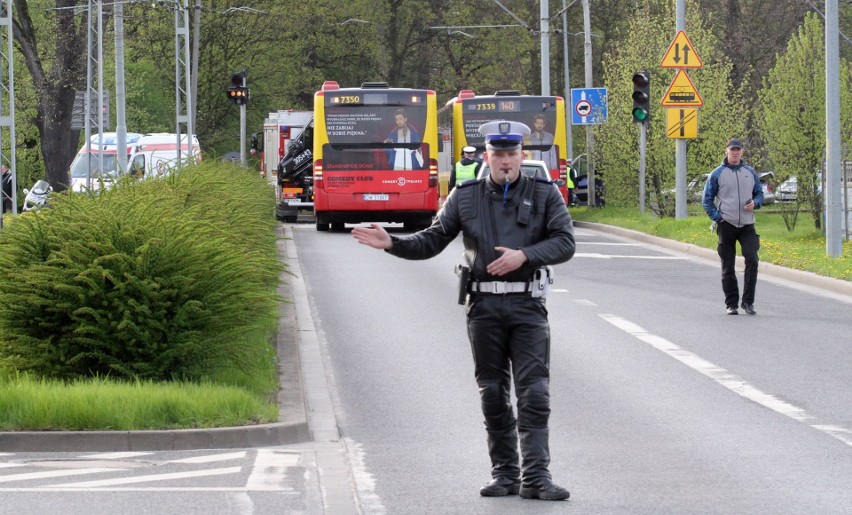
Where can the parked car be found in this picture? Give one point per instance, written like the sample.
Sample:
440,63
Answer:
787,191
530,168
766,182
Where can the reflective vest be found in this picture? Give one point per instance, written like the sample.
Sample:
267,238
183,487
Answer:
465,172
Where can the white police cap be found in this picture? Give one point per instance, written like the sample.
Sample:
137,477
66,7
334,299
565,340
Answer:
469,150
504,135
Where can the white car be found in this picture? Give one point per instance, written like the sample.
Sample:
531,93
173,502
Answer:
530,168
787,191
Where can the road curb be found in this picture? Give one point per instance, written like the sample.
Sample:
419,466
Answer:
798,276
292,426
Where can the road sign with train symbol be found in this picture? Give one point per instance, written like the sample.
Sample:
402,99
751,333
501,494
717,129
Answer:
682,93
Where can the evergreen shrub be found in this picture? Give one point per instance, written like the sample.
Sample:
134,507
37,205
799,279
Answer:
154,279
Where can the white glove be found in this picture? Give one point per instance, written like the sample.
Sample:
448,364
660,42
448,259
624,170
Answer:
714,227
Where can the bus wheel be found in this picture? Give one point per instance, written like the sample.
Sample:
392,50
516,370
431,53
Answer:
322,227
338,226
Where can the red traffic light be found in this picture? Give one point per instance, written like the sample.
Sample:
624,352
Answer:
238,80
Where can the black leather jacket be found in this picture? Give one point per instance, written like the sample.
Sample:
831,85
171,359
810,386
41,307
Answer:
476,209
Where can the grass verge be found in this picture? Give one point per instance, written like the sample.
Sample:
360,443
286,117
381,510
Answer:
28,403
802,249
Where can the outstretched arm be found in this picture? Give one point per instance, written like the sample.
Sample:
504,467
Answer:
373,235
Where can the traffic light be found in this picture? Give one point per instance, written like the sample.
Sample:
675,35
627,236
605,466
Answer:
238,91
641,97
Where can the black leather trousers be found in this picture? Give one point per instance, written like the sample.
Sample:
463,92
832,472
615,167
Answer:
510,339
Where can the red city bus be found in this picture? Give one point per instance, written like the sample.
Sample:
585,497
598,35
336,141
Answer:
375,155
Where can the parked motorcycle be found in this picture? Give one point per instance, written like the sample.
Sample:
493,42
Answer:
36,198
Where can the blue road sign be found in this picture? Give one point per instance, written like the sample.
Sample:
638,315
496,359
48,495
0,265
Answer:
588,106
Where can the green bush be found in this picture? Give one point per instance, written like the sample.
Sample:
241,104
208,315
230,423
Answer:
154,279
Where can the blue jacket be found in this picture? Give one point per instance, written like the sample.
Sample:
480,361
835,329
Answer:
728,189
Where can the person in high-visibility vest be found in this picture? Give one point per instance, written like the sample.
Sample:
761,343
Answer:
465,169
569,183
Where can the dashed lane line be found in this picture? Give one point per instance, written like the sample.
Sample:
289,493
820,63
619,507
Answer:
727,379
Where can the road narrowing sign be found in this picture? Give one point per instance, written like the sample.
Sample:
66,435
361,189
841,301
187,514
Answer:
682,93
681,53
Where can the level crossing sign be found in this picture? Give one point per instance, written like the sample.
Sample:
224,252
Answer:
589,106
682,122
682,93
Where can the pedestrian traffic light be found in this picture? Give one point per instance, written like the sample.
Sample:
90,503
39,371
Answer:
641,97
238,91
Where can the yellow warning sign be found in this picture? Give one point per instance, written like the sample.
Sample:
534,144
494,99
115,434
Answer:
681,53
682,122
682,93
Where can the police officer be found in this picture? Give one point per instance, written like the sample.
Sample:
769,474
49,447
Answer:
465,169
512,226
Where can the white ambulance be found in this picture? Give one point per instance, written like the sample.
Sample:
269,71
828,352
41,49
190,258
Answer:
156,154
83,177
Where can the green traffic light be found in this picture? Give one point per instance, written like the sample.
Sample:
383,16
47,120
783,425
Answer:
639,114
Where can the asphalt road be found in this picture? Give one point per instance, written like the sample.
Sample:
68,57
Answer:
661,402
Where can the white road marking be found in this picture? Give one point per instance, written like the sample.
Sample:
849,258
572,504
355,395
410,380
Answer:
114,455
141,489
611,243
584,302
151,477
11,465
727,379
54,473
212,458
559,290
270,469
596,255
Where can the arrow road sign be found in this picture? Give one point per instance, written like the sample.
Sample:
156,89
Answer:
681,53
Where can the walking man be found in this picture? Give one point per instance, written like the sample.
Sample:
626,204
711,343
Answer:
513,227
731,194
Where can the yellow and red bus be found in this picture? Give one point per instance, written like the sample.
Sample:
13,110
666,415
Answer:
375,155
460,118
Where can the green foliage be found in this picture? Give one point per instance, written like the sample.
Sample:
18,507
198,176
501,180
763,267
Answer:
154,279
793,114
30,403
800,249
617,141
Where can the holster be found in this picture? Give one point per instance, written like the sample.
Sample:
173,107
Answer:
543,281
463,271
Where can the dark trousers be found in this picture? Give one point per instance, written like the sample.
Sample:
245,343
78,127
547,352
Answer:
510,339
749,240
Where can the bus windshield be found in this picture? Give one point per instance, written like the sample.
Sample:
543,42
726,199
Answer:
538,113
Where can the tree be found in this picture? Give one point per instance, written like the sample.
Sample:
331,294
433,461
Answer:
53,45
617,151
793,112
